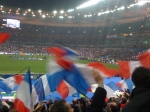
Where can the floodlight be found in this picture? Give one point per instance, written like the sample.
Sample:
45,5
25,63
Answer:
29,10
141,2
89,3
43,16
61,11
54,12
61,17
40,11
33,15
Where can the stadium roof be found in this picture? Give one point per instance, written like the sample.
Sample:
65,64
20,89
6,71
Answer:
103,13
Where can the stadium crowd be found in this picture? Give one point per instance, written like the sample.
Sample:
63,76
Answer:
91,46
127,102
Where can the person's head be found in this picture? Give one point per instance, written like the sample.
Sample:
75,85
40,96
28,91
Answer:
141,76
61,106
113,107
82,102
123,100
74,102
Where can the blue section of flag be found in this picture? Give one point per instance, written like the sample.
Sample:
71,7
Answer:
27,78
75,79
129,84
69,51
113,86
5,87
39,89
55,79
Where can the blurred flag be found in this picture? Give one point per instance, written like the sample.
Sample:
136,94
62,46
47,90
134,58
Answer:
126,84
4,37
10,83
23,101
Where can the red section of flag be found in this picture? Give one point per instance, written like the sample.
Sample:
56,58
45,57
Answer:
63,90
124,70
65,63
19,105
18,79
4,37
144,59
56,51
101,67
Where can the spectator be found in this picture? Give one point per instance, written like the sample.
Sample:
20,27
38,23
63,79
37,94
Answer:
61,106
140,96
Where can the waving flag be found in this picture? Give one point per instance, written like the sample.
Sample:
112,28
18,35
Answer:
10,83
65,89
144,59
111,88
126,84
40,89
23,101
4,37
127,67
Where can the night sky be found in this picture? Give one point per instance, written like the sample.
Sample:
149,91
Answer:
47,5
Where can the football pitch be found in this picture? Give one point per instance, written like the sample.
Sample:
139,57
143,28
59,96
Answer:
12,64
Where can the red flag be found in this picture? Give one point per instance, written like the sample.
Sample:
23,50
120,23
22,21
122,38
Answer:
144,58
4,37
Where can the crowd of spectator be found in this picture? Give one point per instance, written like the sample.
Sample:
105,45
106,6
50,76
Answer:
126,102
92,43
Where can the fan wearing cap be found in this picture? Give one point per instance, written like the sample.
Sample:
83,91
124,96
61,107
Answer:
140,96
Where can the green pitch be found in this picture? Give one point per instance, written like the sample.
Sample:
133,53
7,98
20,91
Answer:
14,66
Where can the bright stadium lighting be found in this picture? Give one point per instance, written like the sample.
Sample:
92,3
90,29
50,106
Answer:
106,12
43,16
122,7
29,10
69,16
54,12
33,15
70,10
131,5
24,14
87,4
3,11
142,2
61,17
61,11
1,6
39,11
85,15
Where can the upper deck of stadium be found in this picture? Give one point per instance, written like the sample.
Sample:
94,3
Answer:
98,15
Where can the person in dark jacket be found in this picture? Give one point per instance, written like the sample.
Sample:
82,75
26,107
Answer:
140,96
98,101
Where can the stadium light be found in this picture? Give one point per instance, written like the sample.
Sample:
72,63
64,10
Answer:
3,11
61,11
1,6
29,10
122,8
70,17
39,11
142,2
61,17
24,14
43,16
87,4
54,12
70,10
33,15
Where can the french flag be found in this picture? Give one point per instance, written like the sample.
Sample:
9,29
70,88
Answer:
61,52
10,83
111,88
65,89
23,101
127,67
40,89
4,37
125,84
